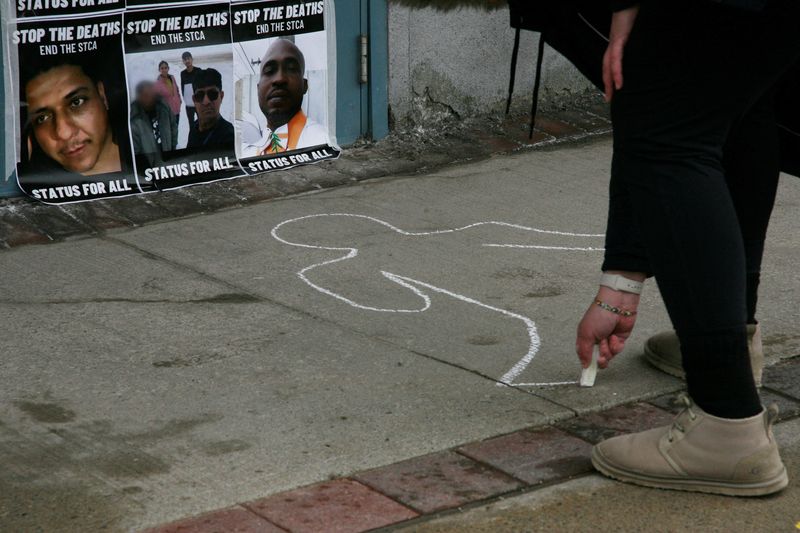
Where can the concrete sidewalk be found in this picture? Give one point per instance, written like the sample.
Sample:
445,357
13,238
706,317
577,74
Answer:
162,372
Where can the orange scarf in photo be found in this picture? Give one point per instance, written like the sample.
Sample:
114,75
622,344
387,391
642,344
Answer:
281,142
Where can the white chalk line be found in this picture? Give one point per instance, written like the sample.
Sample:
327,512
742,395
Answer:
546,384
409,283
538,247
434,232
533,335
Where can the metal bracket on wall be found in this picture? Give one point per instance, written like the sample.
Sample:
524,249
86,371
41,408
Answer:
363,75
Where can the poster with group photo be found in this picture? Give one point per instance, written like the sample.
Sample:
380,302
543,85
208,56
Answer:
72,131
119,97
280,61
180,80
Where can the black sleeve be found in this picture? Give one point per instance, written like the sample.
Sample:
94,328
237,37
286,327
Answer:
619,5
624,248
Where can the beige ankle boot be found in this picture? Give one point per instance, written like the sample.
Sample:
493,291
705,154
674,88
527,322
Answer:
700,453
663,351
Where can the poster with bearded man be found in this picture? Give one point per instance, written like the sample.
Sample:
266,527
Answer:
281,77
72,137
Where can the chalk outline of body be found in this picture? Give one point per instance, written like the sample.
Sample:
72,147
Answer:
507,379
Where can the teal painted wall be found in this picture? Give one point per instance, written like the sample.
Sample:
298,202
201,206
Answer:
379,69
362,110
350,95
8,187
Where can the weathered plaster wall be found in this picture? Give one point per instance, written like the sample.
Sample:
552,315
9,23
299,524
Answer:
458,62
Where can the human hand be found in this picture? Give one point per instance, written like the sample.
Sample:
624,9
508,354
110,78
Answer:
604,328
621,26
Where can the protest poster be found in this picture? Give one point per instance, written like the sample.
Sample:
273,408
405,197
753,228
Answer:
135,4
72,136
281,71
174,147
59,8
114,97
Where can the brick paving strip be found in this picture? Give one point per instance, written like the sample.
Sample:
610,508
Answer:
24,221
473,474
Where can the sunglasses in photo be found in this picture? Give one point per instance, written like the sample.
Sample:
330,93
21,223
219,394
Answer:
200,95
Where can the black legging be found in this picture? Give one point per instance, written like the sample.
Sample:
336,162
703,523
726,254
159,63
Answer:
579,30
751,163
752,166
694,72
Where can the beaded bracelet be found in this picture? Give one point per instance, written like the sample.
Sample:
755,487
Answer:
612,309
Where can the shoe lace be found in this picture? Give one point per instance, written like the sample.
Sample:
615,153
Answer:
677,424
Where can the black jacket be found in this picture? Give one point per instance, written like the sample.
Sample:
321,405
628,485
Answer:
221,135
752,5
579,29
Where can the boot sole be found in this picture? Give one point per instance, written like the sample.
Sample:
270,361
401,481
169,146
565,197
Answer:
762,488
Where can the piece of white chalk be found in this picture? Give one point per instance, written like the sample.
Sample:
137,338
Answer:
589,374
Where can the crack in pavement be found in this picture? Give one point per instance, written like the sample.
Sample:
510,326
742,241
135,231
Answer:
258,298
226,298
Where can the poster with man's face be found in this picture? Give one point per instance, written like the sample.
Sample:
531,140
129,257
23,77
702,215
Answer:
72,138
281,71
180,80
114,97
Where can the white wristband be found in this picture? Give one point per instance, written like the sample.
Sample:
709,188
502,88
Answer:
621,283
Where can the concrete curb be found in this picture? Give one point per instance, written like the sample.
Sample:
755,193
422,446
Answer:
477,473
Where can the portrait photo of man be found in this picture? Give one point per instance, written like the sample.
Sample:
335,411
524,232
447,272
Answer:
69,125
281,89
210,128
